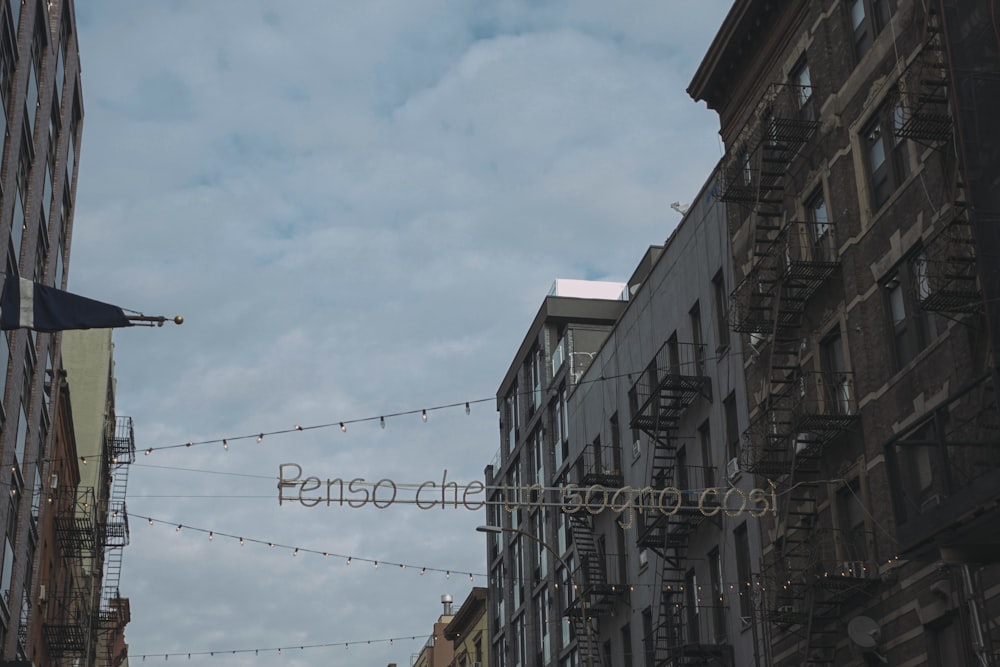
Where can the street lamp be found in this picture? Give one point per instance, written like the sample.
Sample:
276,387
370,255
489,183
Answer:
497,530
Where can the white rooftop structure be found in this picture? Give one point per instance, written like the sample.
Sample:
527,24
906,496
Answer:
589,289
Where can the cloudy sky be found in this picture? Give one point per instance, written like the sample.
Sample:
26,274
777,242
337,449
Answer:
358,208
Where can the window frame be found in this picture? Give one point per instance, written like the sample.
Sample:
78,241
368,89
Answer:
878,137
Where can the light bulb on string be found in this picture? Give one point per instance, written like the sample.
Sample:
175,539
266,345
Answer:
423,415
467,408
348,560
260,438
225,445
241,541
179,526
149,451
211,536
376,565
381,421
298,427
150,522
296,552
343,427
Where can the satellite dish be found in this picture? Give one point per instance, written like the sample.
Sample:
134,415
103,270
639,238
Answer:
864,631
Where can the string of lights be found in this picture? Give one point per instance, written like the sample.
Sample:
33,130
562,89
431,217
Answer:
275,649
864,570
295,550
424,414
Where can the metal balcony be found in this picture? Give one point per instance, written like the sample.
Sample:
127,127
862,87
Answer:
671,382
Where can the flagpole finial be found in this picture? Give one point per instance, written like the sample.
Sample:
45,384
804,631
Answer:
154,320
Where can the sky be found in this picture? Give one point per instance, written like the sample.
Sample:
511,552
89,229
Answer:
358,208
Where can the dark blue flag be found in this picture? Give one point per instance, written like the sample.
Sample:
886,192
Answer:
29,305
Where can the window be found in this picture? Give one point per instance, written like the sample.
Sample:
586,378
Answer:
633,410
853,533
693,609
715,583
696,337
732,426
17,226
673,359
705,440
868,18
542,624
721,311
616,443
648,639
626,646
911,328
510,417
803,90
820,229
836,378
743,570
888,158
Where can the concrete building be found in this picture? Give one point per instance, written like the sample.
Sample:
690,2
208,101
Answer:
661,407
527,624
467,631
41,113
861,180
106,445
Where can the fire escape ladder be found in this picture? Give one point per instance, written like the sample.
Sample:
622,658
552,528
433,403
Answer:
74,521
754,171
668,623
797,520
581,609
600,593
822,632
946,269
985,637
65,625
120,448
924,114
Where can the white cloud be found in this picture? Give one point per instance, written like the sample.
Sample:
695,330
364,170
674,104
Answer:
358,208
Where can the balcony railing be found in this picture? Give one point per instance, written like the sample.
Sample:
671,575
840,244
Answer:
669,385
602,465
692,633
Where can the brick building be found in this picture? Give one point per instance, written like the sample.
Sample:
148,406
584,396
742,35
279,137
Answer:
41,112
860,179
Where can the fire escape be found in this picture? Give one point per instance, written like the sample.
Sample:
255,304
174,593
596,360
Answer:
674,379
119,452
598,591
66,619
936,467
946,269
799,412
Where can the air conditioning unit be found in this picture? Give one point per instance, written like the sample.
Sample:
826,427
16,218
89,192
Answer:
636,449
930,502
733,469
54,481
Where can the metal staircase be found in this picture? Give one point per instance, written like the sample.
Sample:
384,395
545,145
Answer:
670,384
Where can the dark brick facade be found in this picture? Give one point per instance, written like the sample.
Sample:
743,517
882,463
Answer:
870,388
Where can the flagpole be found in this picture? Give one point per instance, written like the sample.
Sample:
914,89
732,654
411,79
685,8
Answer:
153,320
